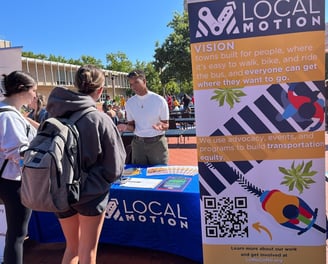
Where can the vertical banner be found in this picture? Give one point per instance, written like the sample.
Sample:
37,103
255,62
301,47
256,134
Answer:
10,60
258,76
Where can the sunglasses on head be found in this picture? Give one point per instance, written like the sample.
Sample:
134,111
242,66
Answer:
135,74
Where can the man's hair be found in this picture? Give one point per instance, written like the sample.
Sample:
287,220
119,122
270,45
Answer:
137,73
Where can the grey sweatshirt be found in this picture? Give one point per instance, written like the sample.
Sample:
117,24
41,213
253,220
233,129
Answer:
103,153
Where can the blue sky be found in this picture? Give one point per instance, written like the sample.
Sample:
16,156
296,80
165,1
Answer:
74,28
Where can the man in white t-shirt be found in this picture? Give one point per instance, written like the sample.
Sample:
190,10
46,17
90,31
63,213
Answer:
147,115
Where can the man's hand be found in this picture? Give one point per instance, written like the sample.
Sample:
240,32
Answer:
161,126
122,127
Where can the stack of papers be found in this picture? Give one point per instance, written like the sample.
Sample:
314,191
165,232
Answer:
131,171
141,183
175,170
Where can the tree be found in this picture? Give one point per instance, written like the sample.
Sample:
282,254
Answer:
173,58
152,76
153,79
91,60
57,58
81,61
172,88
30,54
118,62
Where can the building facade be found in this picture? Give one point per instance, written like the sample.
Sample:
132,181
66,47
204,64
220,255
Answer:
50,74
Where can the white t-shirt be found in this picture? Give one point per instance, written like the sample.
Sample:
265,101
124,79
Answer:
147,111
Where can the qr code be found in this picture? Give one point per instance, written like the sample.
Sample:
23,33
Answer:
225,217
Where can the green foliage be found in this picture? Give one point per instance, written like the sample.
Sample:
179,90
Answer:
230,96
118,62
153,81
128,92
91,60
83,60
299,177
30,54
57,58
171,88
172,58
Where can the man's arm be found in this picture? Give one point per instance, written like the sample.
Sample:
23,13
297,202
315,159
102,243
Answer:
162,125
129,127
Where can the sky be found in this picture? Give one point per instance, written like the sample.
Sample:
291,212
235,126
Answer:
72,28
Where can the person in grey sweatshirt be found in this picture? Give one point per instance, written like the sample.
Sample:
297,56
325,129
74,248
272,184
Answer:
103,156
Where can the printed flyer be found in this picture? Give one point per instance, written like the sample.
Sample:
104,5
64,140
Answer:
258,76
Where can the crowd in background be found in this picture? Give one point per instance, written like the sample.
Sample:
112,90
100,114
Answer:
115,108
184,103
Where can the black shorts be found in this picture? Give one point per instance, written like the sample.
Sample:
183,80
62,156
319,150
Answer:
91,208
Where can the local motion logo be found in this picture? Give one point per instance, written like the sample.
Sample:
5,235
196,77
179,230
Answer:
262,16
151,212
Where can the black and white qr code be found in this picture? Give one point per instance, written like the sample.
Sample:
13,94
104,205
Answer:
225,217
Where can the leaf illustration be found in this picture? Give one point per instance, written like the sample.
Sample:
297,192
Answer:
299,177
230,96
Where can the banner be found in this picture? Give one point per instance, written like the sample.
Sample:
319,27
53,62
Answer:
10,60
258,75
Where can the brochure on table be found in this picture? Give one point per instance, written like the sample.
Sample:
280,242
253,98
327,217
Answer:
178,177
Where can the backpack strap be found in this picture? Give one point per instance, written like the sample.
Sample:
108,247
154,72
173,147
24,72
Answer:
3,109
3,167
76,116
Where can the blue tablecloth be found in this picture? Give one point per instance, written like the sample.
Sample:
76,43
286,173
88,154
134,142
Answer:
162,220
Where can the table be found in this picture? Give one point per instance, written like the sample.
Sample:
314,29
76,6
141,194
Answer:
185,121
178,114
153,218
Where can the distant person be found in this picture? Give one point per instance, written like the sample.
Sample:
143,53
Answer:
147,116
38,112
102,158
186,99
112,114
122,102
106,103
176,104
15,135
169,102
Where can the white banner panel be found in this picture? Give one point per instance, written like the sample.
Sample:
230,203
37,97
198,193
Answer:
258,75
10,60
